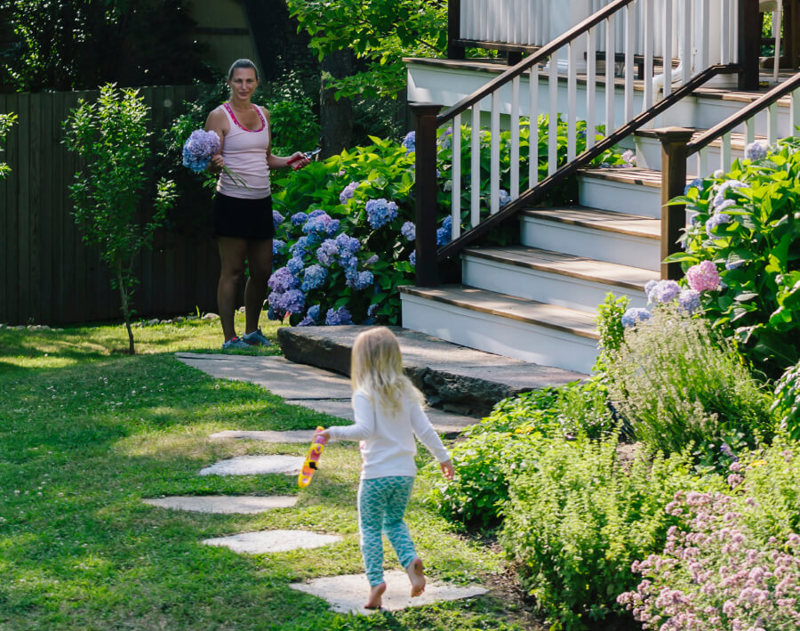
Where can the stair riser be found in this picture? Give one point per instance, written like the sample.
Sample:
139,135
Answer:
606,194
495,334
648,155
542,286
600,245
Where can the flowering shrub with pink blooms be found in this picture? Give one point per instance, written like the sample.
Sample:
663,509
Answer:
742,252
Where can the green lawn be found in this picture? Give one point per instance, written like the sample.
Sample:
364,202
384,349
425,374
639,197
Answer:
86,432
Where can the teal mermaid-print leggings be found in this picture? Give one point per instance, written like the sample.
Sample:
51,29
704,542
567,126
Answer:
381,506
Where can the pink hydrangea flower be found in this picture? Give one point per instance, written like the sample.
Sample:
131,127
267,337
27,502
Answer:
703,276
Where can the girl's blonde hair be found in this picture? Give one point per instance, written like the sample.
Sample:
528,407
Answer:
376,367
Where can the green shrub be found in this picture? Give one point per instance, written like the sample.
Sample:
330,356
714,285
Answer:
748,226
578,517
6,121
678,383
786,403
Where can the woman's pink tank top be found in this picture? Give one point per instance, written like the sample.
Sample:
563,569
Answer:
245,153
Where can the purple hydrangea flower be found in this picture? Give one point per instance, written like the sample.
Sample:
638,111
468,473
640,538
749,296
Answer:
348,192
348,263
314,277
380,212
306,322
347,245
316,213
756,150
634,315
695,183
199,148
282,280
277,219
300,247
371,260
333,227
327,252
663,291
445,138
298,219
445,233
703,276
359,280
717,219
413,258
338,317
410,142
409,230
689,300
628,158
291,301
295,265
504,197
313,312
277,246
318,223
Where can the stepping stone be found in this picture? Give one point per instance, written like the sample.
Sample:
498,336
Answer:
347,594
256,465
228,504
273,541
292,436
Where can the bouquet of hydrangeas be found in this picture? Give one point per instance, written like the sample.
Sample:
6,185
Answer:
198,150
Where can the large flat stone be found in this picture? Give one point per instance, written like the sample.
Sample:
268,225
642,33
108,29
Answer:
225,504
265,541
256,465
348,593
453,377
267,436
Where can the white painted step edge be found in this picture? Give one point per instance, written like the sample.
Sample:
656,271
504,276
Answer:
624,197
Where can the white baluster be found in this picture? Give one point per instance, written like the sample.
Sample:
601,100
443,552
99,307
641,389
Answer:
704,42
725,34
572,116
630,39
591,85
455,204
494,170
703,161
725,153
533,121
475,166
666,53
749,130
514,166
686,42
772,124
649,28
609,91
794,114
552,123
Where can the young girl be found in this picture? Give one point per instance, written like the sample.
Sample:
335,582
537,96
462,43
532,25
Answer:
388,414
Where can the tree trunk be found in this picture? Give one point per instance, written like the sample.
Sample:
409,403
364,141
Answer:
126,311
335,117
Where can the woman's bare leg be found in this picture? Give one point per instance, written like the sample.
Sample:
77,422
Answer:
259,259
232,252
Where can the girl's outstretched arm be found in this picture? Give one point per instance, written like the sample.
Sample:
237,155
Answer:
364,417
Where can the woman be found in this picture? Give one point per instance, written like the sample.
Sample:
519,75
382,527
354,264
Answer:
243,207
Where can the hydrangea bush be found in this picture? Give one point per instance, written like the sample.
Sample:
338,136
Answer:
742,252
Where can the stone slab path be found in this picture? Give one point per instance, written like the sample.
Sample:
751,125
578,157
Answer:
300,384
225,504
267,436
348,593
256,465
264,541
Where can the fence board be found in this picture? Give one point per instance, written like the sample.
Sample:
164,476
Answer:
48,275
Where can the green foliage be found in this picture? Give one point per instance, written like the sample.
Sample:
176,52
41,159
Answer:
757,253
787,401
578,516
379,32
111,137
6,122
678,383
79,44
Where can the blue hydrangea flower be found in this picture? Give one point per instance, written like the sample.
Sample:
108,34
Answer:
291,301
732,264
300,247
316,213
333,227
695,183
504,197
445,232
413,258
327,252
380,212
634,315
359,280
409,230
338,317
298,219
314,277
198,149
410,142
306,322
756,150
445,138
663,291
313,312
271,315
277,219
277,246
282,280
371,260
348,192
295,265
689,300
317,223
348,263
717,219
347,245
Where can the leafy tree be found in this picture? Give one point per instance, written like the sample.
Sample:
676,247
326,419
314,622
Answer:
379,33
79,44
6,121
111,137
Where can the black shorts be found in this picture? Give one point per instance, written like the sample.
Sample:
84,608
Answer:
243,218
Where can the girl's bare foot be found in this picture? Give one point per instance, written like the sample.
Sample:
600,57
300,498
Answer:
375,594
417,577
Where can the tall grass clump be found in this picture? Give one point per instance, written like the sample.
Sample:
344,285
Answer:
676,381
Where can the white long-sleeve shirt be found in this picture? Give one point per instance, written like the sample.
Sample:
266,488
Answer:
387,440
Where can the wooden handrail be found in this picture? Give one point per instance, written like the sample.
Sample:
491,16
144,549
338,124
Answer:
543,53
536,193
763,102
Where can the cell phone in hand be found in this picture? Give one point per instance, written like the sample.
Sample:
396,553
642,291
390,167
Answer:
307,155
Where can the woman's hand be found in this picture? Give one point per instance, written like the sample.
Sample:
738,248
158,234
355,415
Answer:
297,160
448,470
216,164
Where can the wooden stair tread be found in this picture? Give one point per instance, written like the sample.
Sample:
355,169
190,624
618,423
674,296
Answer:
738,140
627,175
623,223
567,264
528,311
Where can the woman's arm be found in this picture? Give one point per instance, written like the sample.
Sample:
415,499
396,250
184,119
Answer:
278,162
217,122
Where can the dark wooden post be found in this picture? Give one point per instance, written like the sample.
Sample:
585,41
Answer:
791,33
425,191
673,182
454,49
749,43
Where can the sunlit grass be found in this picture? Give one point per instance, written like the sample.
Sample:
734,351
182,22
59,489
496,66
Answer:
87,432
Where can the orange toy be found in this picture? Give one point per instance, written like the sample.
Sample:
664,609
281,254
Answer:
312,459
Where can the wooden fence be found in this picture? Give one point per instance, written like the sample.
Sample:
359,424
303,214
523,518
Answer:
47,274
